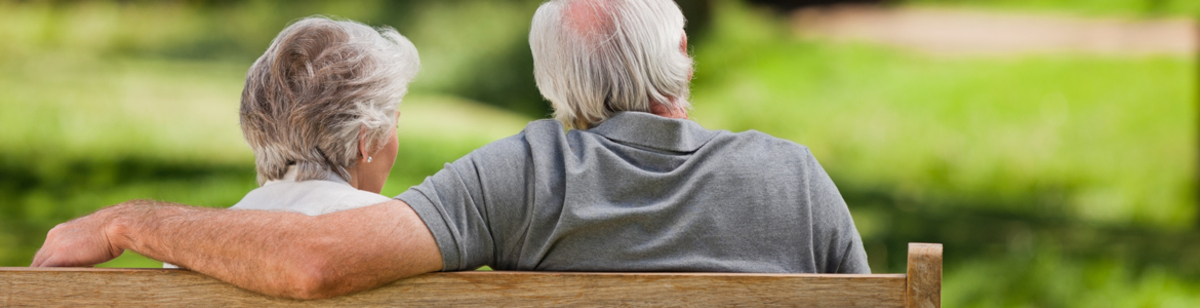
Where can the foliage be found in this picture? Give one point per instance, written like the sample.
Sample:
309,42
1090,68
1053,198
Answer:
1126,8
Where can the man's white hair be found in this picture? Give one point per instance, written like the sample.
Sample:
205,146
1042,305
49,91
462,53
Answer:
317,87
594,58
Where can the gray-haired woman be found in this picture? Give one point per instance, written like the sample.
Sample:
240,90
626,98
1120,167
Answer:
319,111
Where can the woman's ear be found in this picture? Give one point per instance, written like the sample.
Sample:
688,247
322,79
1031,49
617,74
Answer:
362,144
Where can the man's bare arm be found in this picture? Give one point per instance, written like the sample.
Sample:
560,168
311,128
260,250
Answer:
275,253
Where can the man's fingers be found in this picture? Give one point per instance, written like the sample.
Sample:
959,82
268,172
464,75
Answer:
42,254
80,242
53,261
47,249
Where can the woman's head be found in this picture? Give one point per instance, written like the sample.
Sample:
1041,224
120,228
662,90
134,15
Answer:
324,98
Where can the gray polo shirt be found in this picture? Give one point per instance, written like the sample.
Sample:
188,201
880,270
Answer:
639,193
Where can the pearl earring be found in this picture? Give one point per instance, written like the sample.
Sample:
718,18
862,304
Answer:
369,159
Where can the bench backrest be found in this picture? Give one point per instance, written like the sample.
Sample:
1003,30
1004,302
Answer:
920,287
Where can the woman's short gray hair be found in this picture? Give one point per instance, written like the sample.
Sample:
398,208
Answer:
594,58
319,84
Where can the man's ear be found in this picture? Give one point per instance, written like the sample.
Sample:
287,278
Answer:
683,44
683,49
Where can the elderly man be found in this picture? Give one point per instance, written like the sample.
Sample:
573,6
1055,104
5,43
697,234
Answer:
634,186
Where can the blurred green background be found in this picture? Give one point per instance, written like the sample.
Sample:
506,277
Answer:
1054,180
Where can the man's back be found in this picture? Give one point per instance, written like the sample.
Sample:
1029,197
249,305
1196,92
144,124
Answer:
639,193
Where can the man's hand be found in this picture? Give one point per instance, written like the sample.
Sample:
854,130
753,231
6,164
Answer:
83,242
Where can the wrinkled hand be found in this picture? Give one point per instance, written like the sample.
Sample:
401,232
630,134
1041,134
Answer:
82,242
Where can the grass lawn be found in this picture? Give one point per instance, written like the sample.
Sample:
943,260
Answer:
1103,139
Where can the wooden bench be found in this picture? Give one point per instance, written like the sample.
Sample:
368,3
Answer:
921,287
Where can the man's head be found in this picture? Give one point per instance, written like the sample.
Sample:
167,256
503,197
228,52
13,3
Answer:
594,58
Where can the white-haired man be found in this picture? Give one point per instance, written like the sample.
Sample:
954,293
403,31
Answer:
635,186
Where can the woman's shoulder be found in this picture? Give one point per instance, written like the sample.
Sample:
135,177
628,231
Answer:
313,197
352,198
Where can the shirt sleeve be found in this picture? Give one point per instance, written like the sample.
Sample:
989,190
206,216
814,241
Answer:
836,240
469,205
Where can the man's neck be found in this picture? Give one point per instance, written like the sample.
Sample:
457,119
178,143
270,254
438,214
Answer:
667,112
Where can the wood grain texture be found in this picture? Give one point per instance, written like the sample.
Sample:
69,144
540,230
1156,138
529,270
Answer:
170,287
924,287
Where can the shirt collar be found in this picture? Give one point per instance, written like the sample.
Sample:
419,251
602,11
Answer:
293,172
648,130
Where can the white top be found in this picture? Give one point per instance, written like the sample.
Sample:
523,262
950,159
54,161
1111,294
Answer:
313,197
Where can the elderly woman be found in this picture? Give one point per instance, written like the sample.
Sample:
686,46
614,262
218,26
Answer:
319,111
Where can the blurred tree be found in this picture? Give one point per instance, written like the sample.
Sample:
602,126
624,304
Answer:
788,5
699,15
506,81
498,74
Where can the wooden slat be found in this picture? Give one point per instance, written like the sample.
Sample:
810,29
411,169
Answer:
169,287
924,287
